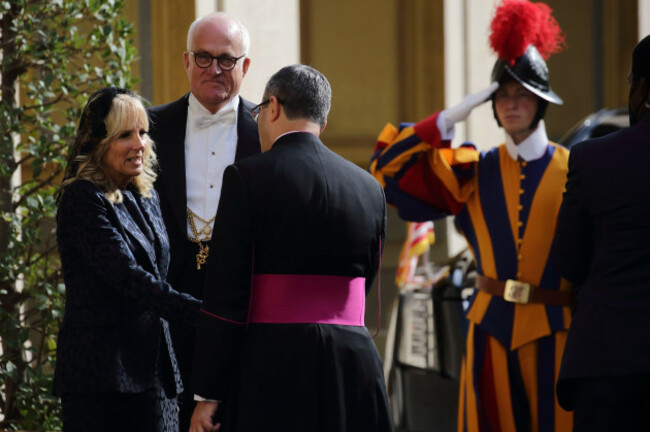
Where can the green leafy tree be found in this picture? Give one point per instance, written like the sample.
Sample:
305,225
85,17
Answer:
53,54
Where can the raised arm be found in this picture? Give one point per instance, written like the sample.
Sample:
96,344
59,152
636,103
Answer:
422,176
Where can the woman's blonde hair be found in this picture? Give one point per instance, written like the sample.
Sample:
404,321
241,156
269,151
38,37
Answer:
108,113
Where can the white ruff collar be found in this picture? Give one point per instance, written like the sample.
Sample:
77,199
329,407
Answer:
530,149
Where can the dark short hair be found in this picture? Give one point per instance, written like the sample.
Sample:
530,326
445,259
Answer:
641,59
303,92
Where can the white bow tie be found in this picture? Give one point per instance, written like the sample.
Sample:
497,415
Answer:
222,117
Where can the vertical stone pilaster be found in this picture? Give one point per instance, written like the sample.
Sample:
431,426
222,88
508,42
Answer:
421,57
644,18
620,21
169,23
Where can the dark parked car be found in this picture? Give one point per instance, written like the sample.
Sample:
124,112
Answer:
595,125
426,336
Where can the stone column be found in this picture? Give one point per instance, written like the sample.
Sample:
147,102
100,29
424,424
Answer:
644,18
274,27
468,65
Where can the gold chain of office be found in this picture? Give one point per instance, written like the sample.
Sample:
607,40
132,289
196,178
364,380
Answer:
200,236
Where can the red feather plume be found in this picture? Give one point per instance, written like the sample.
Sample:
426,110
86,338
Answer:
519,23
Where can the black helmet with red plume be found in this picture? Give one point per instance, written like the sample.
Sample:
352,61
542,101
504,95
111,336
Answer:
524,35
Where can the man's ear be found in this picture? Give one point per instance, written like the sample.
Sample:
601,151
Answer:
186,61
322,128
275,108
245,65
645,89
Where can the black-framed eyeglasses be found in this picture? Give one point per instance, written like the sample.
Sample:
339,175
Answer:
258,108
225,62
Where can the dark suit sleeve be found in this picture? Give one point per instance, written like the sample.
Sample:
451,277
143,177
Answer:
227,291
85,220
574,228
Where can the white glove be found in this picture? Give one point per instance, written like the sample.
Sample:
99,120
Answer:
449,117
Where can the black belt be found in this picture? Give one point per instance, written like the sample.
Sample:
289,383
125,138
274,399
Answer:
522,292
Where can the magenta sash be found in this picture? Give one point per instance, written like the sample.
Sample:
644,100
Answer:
294,299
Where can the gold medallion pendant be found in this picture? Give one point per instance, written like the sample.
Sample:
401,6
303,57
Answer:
202,255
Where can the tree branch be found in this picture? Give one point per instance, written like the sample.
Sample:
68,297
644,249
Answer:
44,105
40,256
58,168
25,159
41,348
39,185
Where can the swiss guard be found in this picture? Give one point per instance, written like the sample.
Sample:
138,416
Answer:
506,202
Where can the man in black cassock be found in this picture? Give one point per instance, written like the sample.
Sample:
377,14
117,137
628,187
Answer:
299,232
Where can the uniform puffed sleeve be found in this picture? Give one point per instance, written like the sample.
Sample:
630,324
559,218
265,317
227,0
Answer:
421,175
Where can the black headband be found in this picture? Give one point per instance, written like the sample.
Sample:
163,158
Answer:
98,107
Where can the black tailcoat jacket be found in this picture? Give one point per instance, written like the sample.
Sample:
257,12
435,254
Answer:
604,248
114,336
167,129
296,209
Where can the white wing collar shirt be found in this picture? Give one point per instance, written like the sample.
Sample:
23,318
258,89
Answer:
210,146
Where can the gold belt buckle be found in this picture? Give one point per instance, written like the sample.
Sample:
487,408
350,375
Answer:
516,292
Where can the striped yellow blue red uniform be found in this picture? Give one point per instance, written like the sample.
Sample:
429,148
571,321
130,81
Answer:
507,211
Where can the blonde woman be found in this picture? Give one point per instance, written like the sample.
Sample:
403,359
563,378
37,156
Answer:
116,368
